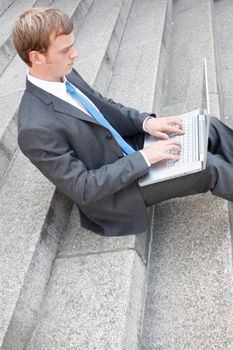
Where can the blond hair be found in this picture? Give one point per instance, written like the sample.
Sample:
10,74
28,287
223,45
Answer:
33,29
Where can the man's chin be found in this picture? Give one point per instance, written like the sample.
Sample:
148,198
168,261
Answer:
68,71
70,67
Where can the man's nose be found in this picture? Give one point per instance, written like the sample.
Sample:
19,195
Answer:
73,53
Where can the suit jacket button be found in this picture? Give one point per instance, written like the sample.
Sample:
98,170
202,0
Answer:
108,137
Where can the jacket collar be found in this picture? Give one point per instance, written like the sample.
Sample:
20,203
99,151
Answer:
59,105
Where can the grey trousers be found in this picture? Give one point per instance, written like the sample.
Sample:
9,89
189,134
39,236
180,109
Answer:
217,177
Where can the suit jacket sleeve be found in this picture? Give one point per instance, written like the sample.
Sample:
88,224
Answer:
51,154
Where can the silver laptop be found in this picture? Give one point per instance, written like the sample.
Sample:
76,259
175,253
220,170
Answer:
194,143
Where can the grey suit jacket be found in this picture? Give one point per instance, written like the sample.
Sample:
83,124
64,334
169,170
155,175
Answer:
82,158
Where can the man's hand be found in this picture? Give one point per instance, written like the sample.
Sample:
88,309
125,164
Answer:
160,150
163,127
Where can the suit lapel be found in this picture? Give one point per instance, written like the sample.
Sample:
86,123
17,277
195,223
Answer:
63,107
59,105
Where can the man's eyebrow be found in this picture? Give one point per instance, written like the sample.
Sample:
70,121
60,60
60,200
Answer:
68,46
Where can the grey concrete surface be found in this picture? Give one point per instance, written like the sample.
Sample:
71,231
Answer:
4,4
76,9
103,40
190,288
104,74
188,50
223,14
32,289
26,223
12,84
77,241
8,18
90,304
138,61
189,300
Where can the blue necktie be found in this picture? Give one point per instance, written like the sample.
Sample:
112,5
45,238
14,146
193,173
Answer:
95,113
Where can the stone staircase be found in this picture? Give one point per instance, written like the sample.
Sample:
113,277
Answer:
190,284
63,287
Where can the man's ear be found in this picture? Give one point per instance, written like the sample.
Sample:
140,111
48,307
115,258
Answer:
36,58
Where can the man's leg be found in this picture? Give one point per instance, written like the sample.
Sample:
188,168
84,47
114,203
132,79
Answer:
221,140
217,177
182,186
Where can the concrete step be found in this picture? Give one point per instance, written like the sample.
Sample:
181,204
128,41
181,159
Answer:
12,85
139,68
189,302
97,54
184,82
4,5
95,297
7,19
223,12
76,9
101,280
190,283
33,211
31,221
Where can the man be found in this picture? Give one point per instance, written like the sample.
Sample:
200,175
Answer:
90,147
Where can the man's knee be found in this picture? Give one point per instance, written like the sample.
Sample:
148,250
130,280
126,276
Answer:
213,167
216,127
214,121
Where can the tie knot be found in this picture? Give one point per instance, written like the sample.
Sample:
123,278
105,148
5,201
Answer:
69,88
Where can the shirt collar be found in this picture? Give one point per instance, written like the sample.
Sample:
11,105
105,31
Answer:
53,87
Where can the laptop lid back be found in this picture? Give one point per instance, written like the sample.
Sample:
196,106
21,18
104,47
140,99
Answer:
205,104
205,110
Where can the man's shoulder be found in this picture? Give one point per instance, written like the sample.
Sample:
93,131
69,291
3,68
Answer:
31,102
34,110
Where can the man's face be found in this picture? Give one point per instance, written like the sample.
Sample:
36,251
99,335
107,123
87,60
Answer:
59,59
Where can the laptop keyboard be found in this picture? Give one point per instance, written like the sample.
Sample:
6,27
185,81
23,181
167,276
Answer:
188,147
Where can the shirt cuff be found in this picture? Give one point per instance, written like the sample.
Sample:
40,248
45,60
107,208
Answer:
145,120
146,159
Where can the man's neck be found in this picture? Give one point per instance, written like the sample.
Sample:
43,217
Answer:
43,76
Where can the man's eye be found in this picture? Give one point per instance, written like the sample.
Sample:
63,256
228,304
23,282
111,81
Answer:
65,50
